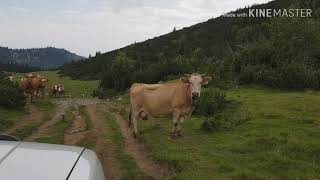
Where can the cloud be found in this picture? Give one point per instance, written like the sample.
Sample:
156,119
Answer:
71,11
19,9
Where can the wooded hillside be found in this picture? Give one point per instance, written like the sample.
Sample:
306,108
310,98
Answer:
277,52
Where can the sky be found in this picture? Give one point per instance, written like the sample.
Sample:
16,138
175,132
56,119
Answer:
87,26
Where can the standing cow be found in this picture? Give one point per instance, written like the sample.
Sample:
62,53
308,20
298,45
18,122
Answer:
26,84
58,90
39,85
34,85
158,100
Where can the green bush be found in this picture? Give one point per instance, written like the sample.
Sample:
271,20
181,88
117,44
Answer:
103,94
11,96
221,121
211,102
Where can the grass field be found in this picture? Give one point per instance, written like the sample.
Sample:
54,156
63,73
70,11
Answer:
9,117
280,141
75,88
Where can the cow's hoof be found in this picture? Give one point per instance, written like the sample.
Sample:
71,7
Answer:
173,135
179,133
136,135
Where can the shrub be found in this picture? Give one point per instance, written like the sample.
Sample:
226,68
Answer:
221,121
103,94
11,96
211,102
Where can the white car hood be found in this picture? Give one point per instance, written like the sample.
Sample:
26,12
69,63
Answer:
34,161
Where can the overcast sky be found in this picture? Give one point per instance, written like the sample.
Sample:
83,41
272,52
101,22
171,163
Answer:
87,26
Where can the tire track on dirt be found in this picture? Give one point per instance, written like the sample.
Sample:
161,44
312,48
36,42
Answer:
78,131
63,106
45,128
103,146
35,116
137,150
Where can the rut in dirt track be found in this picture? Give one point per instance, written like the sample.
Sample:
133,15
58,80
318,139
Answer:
137,150
34,116
45,128
104,147
78,131
63,106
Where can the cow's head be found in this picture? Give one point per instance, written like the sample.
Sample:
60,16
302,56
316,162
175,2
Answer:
44,81
196,81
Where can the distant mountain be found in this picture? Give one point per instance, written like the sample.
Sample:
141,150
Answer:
44,58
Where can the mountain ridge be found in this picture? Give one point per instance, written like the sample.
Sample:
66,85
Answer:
44,58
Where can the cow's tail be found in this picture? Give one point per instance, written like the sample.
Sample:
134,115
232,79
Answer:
130,116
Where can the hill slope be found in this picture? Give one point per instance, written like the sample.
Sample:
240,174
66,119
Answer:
246,50
41,57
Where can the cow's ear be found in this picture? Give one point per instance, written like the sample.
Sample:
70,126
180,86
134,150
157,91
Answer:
206,79
185,80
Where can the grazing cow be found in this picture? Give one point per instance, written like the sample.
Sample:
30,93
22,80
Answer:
158,100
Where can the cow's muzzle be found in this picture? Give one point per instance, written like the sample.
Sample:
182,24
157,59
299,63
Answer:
195,95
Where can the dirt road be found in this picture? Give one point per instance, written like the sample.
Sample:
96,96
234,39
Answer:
89,128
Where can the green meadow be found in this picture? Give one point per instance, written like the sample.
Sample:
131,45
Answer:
280,139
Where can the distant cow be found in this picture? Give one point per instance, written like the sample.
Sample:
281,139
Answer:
61,90
34,85
39,84
158,100
26,85
11,78
58,90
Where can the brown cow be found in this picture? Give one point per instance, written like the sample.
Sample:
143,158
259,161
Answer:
158,100
61,91
34,85
54,90
26,85
40,85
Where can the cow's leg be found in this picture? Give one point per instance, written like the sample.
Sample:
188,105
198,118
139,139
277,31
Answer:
31,97
42,93
175,123
179,128
130,117
135,116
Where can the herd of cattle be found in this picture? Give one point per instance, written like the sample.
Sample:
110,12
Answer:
146,100
34,85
